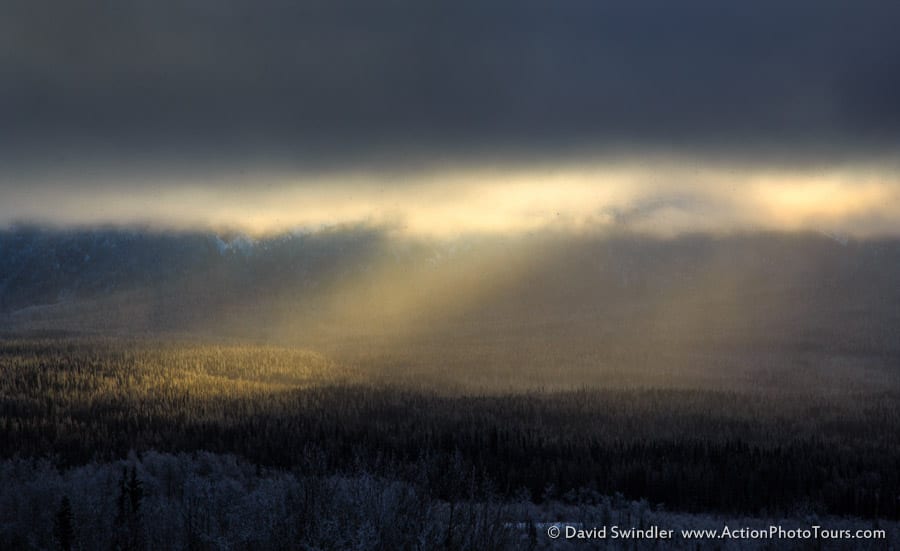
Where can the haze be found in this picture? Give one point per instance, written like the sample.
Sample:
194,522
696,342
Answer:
661,197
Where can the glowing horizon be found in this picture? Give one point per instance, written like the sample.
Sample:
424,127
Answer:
661,197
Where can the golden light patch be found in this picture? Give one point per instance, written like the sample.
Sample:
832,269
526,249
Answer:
826,199
658,196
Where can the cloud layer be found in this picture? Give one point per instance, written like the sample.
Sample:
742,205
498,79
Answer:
662,197
324,79
448,115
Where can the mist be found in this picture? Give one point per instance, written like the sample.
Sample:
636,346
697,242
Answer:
551,310
660,196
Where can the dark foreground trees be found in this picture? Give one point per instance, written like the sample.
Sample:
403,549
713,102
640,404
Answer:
63,531
207,501
690,450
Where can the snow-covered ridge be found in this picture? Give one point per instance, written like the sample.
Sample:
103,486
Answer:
242,244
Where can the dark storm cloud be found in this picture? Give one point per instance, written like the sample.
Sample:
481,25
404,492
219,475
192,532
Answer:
333,80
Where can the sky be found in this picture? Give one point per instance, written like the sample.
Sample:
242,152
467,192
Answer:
452,117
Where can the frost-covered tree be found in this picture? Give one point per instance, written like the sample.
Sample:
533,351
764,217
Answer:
129,526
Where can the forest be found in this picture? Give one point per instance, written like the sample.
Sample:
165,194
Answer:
296,414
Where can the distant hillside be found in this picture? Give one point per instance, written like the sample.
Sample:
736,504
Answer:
43,267
797,287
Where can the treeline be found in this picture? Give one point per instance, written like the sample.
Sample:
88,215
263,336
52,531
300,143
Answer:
688,450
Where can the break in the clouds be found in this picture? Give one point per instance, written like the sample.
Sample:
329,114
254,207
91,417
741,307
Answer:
254,113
